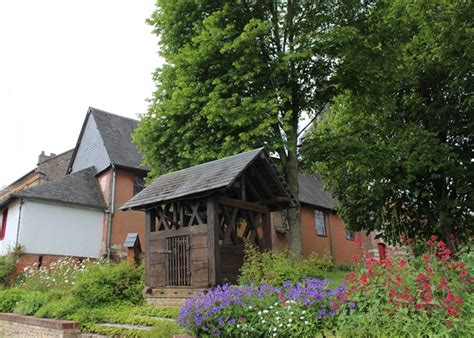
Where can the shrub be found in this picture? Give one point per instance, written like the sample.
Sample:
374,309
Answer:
9,298
423,295
7,264
296,309
62,308
29,304
274,268
108,283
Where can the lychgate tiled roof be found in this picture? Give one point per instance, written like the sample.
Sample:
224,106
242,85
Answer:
80,188
312,191
206,177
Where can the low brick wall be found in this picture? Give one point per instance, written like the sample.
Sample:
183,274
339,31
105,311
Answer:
13,325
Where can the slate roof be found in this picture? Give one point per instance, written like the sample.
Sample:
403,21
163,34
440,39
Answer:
79,188
202,178
312,191
116,133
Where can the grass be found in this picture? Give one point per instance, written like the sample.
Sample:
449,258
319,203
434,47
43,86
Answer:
336,276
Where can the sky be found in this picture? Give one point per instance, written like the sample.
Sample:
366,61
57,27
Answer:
59,57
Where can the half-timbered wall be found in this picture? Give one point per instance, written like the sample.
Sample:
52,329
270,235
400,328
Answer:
199,243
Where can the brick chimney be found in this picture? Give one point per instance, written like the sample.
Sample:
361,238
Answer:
43,157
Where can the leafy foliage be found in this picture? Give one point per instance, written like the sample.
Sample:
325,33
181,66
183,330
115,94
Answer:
109,283
410,296
238,75
9,299
7,264
396,147
275,268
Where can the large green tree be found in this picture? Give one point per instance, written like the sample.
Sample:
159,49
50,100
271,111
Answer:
397,145
238,75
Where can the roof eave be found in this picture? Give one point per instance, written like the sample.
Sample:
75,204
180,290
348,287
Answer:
58,201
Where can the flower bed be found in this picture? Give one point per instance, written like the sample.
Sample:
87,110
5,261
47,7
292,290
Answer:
429,294
302,309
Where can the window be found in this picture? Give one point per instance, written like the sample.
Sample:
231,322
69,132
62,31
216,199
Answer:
40,262
319,221
350,235
3,229
138,184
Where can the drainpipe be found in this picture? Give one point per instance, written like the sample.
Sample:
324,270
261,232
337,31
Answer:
111,211
19,221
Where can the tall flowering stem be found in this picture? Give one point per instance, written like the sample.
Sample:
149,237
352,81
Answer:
432,284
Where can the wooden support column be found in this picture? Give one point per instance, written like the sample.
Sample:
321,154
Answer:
267,231
213,241
150,226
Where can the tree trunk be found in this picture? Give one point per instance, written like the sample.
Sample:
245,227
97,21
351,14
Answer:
294,214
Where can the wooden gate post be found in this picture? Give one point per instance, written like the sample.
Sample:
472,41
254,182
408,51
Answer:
150,226
213,241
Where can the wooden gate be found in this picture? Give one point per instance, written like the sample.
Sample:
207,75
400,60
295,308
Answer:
178,272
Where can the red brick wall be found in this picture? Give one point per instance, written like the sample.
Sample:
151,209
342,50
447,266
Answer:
27,260
334,243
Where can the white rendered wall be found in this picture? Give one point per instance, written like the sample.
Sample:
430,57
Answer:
57,229
9,241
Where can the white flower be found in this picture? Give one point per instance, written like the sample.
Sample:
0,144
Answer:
290,320
265,311
271,307
277,318
288,325
280,325
302,317
259,313
250,307
306,322
238,325
304,312
274,334
263,321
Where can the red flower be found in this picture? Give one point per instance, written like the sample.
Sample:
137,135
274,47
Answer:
441,245
463,273
451,311
422,278
449,297
392,292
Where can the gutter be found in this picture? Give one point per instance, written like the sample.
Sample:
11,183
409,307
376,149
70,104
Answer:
111,211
